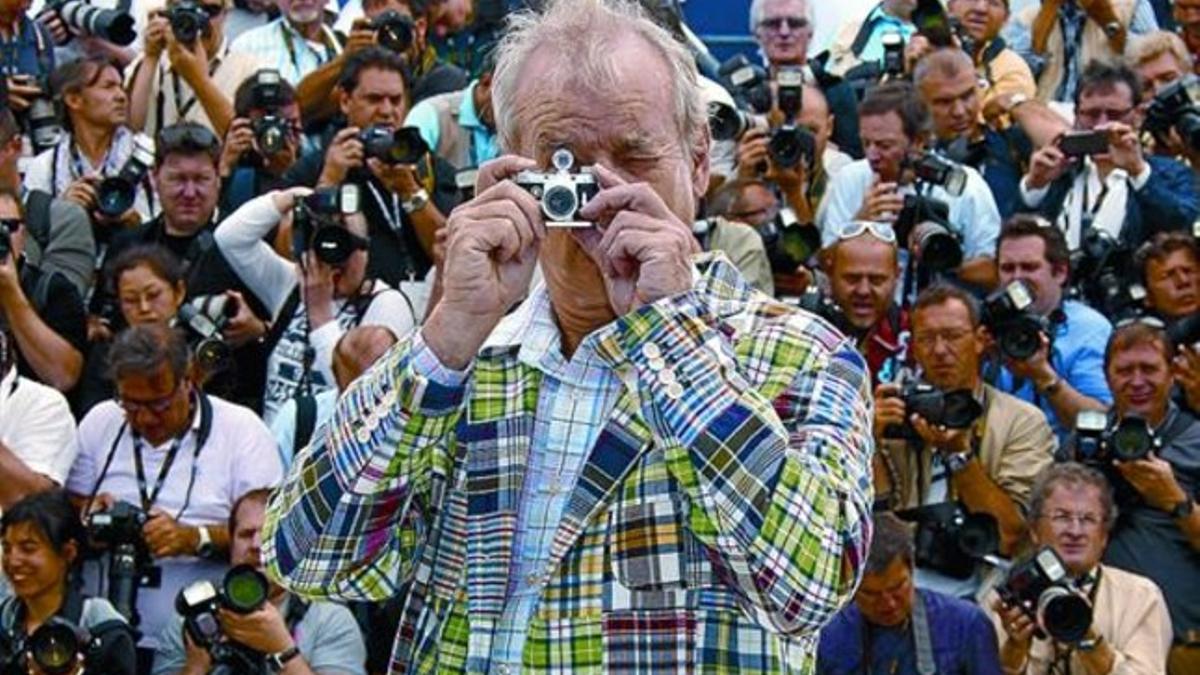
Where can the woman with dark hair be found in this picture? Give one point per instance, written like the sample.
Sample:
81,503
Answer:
43,540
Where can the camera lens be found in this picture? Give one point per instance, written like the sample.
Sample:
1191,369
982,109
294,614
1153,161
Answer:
790,146
559,203
979,535
114,197
1063,614
54,647
939,249
332,244
1132,440
960,409
245,589
211,353
1019,340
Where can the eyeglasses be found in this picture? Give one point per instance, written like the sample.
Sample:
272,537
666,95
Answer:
157,407
1087,521
855,228
213,11
11,224
1113,114
775,23
187,136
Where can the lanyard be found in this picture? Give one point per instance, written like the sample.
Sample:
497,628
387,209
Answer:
183,107
327,41
148,499
394,217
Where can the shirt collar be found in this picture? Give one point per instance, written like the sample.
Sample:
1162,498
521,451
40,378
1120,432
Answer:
7,383
467,115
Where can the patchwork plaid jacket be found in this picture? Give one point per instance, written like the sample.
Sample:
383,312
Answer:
715,527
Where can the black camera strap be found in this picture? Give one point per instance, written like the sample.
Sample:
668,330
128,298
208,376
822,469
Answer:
329,42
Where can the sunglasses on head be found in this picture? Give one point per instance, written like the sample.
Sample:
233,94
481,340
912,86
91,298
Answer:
881,231
179,136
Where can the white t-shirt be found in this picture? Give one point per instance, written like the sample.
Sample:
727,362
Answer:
239,455
37,426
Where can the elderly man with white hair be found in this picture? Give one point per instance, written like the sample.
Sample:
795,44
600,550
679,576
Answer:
646,464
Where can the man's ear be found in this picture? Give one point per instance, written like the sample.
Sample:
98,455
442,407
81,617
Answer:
343,100
701,151
420,31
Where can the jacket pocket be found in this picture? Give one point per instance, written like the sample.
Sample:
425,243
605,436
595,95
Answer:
647,544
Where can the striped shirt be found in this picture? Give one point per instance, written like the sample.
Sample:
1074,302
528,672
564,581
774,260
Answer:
279,46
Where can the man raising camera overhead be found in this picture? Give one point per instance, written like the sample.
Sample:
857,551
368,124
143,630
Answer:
638,387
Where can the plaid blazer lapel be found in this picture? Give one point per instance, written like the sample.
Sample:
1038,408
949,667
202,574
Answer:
624,439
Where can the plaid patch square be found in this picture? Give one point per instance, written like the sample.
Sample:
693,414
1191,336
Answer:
650,642
647,543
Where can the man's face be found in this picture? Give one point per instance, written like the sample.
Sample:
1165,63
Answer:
301,11
1072,523
1173,284
1158,72
378,99
156,405
784,31
1024,259
103,103
1140,379
886,599
9,211
245,542
1187,14
814,116
863,279
625,127
188,187
946,346
1098,106
982,19
756,206
885,144
954,103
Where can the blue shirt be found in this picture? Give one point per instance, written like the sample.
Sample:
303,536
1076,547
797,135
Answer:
424,117
1077,355
881,24
961,636
28,53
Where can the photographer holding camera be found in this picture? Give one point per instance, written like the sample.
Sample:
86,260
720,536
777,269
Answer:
197,79
98,145
895,127
48,625
400,27
1158,534
42,310
1103,179
263,141
862,41
31,60
460,126
403,201
1071,510
164,462
314,300
989,464
894,627
1169,265
305,637
1062,370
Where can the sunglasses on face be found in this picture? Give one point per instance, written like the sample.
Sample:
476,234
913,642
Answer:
775,23
11,224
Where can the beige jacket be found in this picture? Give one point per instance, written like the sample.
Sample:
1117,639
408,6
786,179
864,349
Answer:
744,248
1016,444
1095,45
1131,615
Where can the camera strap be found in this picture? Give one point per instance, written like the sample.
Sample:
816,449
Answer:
148,499
395,220
867,30
182,107
329,42
922,643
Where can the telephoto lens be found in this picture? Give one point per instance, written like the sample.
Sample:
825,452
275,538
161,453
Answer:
1133,439
57,645
244,589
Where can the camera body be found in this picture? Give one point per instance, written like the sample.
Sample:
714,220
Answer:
318,225
951,540
1177,107
115,195
816,302
130,564
399,146
748,82
893,55
955,409
1040,586
270,133
56,647
243,590
206,316
1008,314
393,31
931,168
1102,274
561,192
41,119
1098,442
121,524
791,146
188,20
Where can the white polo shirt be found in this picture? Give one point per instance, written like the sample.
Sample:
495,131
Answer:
239,455
37,426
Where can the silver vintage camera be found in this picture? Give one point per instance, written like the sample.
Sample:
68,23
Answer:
561,192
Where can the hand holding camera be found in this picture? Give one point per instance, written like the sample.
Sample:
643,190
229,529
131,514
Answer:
945,440
1046,165
22,91
889,409
346,152
1155,481
239,141
883,203
154,40
168,538
189,59
1125,148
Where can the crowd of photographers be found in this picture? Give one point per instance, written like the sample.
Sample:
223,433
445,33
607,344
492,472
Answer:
216,215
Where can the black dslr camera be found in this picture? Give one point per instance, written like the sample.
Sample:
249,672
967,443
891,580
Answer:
41,119
243,590
110,24
816,302
1176,107
748,83
791,145
955,409
56,647
924,222
318,225
1103,274
1041,587
399,146
115,195
393,31
1008,315
1097,442
130,565
561,192
951,540
188,20
206,316
271,131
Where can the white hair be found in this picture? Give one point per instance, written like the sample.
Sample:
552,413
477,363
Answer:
578,36
756,11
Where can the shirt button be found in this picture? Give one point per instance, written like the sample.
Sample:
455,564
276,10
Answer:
533,579
503,669
651,351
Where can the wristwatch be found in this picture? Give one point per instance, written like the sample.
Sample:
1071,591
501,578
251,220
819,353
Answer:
205,548
1088,645
416,202
278,661
1016,100
958,461
1051,388
1183,509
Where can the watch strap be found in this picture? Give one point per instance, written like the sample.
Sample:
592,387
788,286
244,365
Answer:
958,461
1087,645
1183,509
416,202
205,547
278,661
